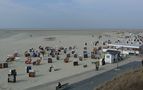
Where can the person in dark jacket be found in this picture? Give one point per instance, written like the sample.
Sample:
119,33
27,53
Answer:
103,61
59,85
142,62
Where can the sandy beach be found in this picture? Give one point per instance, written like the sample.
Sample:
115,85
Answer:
68,44
21,41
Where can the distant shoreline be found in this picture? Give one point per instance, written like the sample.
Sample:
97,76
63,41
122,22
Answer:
52,29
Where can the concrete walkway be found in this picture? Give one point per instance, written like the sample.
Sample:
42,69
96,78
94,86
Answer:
93,82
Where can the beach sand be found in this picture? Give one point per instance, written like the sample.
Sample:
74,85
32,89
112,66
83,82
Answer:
23,40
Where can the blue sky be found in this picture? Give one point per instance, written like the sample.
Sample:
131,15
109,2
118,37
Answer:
71,14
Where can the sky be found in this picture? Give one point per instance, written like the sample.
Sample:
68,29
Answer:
72,14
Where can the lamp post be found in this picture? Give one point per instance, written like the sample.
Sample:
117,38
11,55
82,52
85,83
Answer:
117,67
117,63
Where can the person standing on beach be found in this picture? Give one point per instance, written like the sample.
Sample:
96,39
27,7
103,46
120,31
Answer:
51,67
142,62
97,65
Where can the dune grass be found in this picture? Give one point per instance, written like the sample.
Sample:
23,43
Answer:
132,80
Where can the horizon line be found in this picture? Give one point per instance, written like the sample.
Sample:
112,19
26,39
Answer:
71,28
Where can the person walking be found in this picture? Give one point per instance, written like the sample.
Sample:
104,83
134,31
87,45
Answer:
59,85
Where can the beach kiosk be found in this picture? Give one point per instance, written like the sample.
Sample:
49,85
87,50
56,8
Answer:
112,56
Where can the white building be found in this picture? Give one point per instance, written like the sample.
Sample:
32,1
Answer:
112,56
125,49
